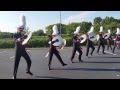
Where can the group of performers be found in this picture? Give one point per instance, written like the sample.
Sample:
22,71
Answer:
21,51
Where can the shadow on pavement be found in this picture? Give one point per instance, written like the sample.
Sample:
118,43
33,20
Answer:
49,77
103,57
87,69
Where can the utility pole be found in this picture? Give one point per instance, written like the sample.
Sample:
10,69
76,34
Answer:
60,23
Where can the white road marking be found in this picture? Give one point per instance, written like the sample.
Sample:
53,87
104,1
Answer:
117,51
117,75
109,52
3,51
28,50
12,57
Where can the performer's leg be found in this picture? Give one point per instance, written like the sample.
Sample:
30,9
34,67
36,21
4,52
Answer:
73,54
98,48
50,59
59,57
103,48
93,48
80,54
28,60
16,64
110,45
114,48
87,50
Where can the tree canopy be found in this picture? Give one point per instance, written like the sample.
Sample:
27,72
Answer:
107,23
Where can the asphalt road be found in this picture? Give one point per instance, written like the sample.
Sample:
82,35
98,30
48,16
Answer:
98,66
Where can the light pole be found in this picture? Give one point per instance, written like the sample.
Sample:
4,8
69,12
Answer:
60,22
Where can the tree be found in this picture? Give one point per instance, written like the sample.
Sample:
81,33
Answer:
85,26
109,20
71,28
38,33
97,20
107,23
49,29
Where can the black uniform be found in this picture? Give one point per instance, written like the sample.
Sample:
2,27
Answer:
89,44
20,51
52,51
115,44
101,42
109,43
76,47
114,47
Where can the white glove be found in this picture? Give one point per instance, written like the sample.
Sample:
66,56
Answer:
18,40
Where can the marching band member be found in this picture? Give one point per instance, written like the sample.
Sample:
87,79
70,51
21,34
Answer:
101,41
109,41
89,44
53,49
117,40
20,51
76,45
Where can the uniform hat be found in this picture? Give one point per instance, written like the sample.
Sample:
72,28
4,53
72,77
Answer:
22,24
55,30
77,30
118,31
91,30
109,31
101,29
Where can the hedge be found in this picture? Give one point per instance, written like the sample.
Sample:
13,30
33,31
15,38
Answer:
38,42
35,42
7,43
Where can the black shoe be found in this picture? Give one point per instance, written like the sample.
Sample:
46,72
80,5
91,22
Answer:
28,72
104,53
72,61
14,77
64,64
81,61
91,54
87,56
49,68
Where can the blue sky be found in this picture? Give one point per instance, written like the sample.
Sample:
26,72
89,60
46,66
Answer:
9,20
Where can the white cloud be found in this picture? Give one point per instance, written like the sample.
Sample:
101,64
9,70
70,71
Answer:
82,16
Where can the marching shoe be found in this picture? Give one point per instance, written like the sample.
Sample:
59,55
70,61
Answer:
49,68
72,61
81,61
28,72
64,64
104,53
14,77
91,54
